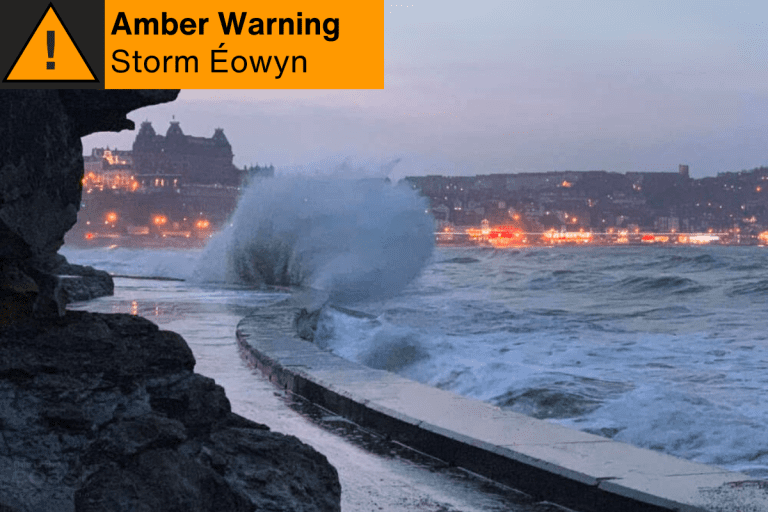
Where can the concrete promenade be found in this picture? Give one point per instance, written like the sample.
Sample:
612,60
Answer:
572,468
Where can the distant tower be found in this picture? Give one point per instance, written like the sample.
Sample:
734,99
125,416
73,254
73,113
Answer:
683,170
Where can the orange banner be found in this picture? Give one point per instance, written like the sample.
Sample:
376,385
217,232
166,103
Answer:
241,44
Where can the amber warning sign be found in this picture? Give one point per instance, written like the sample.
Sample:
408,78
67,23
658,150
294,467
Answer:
50,55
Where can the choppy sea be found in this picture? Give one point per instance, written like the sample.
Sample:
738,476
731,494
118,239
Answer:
661,347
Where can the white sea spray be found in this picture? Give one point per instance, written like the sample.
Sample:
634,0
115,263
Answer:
353,238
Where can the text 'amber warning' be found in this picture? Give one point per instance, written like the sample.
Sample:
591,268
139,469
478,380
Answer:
242,44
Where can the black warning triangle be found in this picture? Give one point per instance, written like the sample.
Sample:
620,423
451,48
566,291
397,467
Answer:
50,55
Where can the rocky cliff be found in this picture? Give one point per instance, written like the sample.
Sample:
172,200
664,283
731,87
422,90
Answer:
41,165
104,412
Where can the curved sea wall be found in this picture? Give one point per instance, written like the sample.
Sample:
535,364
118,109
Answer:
553,463
104,412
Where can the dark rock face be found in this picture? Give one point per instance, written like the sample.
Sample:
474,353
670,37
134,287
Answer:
104,413
305,322
79,282
41,165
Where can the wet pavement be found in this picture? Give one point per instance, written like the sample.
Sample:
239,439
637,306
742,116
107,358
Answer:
376,474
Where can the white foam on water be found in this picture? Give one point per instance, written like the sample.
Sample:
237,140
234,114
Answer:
663,349
169,263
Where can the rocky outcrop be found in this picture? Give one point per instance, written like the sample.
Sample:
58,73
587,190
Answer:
41,165
305,322
80,282
104,413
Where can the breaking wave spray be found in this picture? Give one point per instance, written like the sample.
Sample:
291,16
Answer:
355,239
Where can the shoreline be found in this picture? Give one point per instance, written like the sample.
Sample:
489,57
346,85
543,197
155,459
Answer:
375,473
547,461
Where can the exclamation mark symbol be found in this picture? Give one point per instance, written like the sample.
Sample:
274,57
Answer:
51,43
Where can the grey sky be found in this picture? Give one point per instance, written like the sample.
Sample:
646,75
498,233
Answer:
506,86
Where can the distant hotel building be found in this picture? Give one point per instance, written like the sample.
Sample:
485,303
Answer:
173,158
171,185
198,160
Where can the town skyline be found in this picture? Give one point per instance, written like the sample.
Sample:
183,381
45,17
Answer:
178,185
601,201
497,87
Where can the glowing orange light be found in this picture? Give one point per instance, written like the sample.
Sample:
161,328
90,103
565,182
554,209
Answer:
111,217
204,224
501,236
569,236
503,232
160,220
89,236
703,239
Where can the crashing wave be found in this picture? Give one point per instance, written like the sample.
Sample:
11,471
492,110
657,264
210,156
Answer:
353,239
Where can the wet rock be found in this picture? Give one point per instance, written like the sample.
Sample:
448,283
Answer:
17,293
79,282
41,167
305,322
104,412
